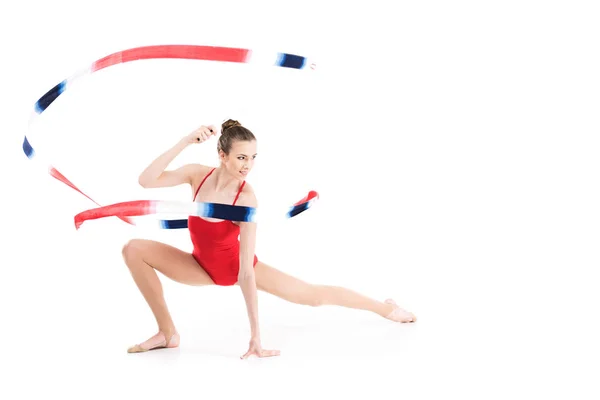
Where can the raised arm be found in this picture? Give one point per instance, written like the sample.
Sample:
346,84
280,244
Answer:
155,176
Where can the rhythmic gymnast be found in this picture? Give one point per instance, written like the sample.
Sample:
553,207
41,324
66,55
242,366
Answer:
218,256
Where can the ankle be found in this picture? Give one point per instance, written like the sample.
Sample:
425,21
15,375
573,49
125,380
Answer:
168,330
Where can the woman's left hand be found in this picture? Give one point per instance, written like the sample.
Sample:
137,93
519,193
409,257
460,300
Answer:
256,349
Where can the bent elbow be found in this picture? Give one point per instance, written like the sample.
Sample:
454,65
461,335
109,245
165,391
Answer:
144,182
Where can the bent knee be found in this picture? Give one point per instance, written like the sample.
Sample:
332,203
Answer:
132,249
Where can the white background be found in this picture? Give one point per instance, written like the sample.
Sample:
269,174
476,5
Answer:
454,146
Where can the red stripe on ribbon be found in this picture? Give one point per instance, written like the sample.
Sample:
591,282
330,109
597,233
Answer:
311,195
192,52
121,210
57,175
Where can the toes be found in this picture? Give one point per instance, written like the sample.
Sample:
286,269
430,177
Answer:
136,349
409,317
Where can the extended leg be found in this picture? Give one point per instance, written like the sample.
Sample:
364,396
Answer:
143,257
297,291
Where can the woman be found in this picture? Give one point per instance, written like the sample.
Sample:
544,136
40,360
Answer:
219,257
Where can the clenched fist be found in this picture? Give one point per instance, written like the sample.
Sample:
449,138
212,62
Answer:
201,134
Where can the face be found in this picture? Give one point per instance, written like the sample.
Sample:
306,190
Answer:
240,160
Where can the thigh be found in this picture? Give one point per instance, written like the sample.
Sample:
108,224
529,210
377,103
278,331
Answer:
172,262
280,284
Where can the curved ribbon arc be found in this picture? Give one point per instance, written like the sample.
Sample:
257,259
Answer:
198,209
189,52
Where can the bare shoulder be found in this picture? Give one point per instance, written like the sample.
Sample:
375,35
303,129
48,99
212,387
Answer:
247,197
196,172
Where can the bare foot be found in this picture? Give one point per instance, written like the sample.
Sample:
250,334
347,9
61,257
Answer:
399,314
157,341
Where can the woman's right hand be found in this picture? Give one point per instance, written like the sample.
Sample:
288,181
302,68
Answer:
201,134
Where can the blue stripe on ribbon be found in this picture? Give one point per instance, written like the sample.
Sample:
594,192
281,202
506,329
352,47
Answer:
213,210
47,99
174,224
29,152
229,212
290,61
297,210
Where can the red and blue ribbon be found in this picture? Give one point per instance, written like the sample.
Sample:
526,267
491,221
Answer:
191,52
207,210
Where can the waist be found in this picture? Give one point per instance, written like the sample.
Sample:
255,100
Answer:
216,249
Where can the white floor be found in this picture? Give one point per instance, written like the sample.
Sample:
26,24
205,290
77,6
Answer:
325,353
71,323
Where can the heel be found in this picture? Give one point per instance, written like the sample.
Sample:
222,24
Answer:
173,341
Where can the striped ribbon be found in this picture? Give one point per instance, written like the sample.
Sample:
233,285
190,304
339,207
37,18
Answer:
191,52
207,210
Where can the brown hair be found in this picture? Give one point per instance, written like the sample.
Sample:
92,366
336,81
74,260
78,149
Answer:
232,131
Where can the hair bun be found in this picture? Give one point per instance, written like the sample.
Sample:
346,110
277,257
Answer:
230,123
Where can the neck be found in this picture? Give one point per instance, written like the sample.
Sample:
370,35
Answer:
224,181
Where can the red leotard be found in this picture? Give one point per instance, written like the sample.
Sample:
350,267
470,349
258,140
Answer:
216,245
